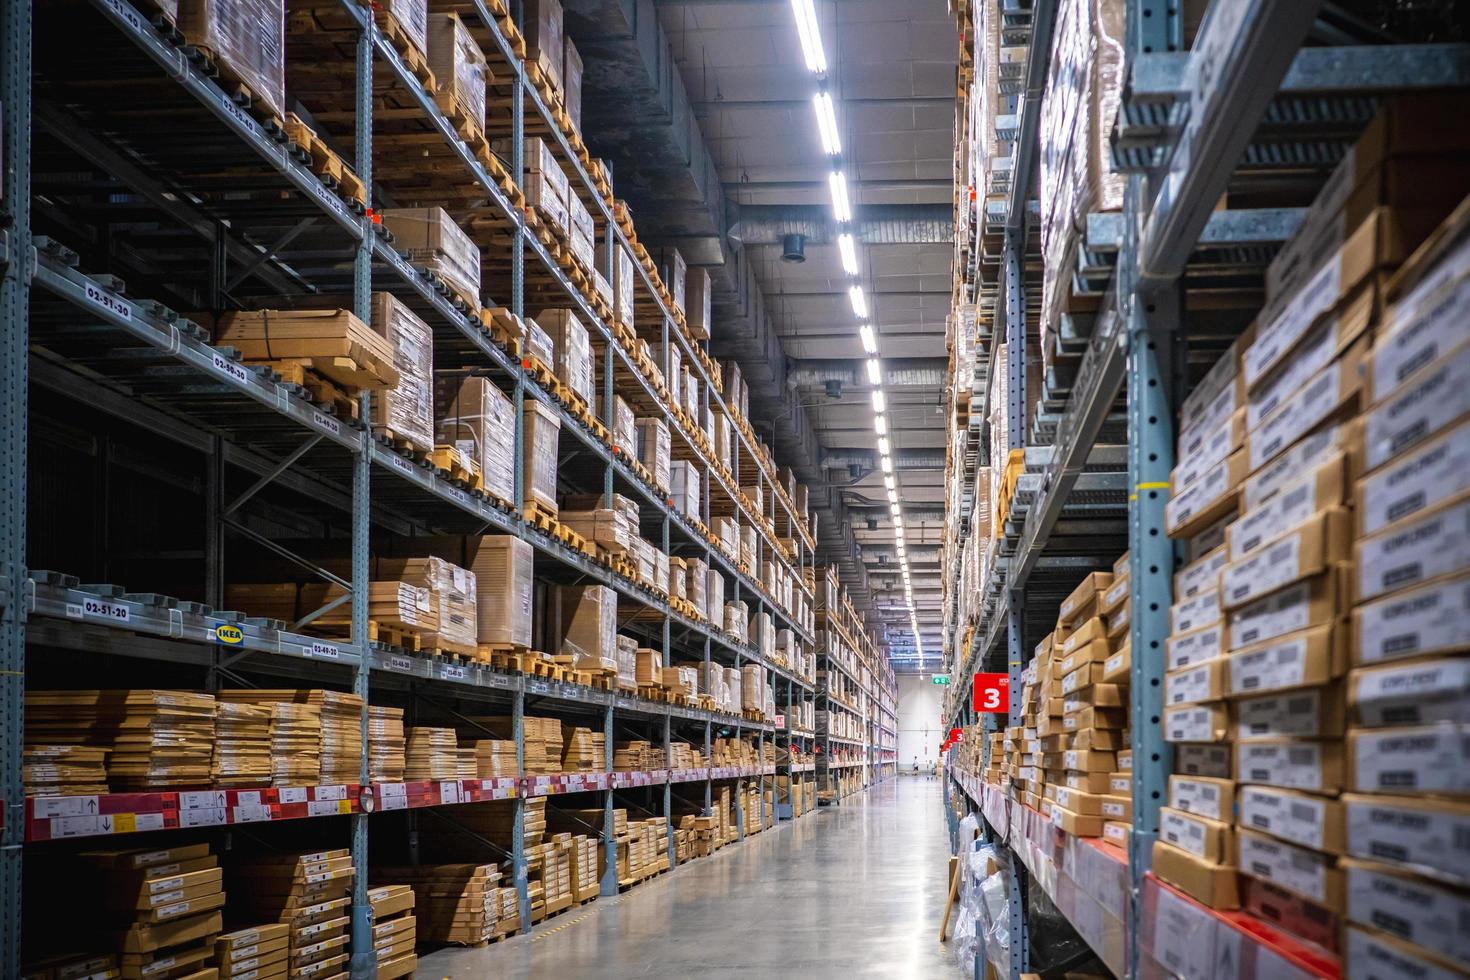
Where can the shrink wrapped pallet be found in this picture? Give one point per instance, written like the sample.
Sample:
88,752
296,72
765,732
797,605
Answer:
589,623
735,618
406,410
571,83
479,420
696,585
459,70
675,271
545,40
433,241
538,343
684,481
573,349
697,296
714,596
452,592
504,568
333,343
623,279
246,39
541,441
625,427
412,18
653,450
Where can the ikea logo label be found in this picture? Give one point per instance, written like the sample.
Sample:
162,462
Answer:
226,633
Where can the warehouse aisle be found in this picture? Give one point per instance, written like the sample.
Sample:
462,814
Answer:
845,892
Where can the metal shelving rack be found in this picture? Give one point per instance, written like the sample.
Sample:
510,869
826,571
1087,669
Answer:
202,399
1247,95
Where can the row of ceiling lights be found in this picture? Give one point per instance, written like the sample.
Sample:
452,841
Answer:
810,34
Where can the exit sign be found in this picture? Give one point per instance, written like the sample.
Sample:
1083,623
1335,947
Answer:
940,678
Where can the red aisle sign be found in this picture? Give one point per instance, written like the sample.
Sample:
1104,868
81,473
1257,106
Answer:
956,735
991,693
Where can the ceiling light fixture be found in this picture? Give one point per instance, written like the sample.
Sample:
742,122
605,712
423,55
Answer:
888,482
874,377
879,402
870,343
841,206
883,446
859,301
895,510
827,123
810,34
880,425
886,464
848,251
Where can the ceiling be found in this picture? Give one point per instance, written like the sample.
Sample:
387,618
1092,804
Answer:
748,92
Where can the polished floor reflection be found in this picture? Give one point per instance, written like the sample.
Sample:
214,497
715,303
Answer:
844,892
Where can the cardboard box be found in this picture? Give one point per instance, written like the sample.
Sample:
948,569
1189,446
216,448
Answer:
1199,451
1082,603
1097,696
1423,692
1307,873
1302,459
1205,796
1118,808
1429,759
1118,668
1432,619
434,241
1326,486
1209,840
1116,594
504,568
1213,496
1200,575
1315,767
248,38
1195,613
459,67
1078,801
1307,404
1414,550
1415,910
1429,401
697,296
1089,654
478,419
1084,782
1419,328
1195,685
545,38
1081,678
1298,818
1075,823
1117,833
1378,955
1291,912
1196,723
1215,761
1209,884
571,82
1311,603
1308,713
1309,658
1309,550
1105,739
1195,647
1423,478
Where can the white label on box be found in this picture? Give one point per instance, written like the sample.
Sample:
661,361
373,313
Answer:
1276,615
1196,797
1294,868
1424,325
1436,398
1288,510
1266,570
1188,686
1294,818
1420,760
1293,321
1213,397
1414,694
1321,228
1114,810
1434,618
1202,575
1193,724
1411,909
1277,666
1280,715
1294,766
1399,832
1197,496
1121,784
1199,453
1422,549
1286,469
1194,648
1192,614
1116,592
1370,958
1114,663
1184,935
1184,833
1203,760
1417,481
1310,405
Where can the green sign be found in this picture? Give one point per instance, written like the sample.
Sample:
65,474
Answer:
940,678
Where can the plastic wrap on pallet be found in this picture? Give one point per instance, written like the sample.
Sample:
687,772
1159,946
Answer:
678,572
245,37
747,544
581,229
643,554
653,450
674,372
573,349
721,440
412,17
697,295
539,344
571,83
623,277
697,584
714,596
627,654
452,590
504,569
625,426
660,568
545,42
407,409
542,438
689,392
674,269
542,198
762,634
614,528
727,529
459,69
752,686
478,419
735,619
600,285
735,689
432,239
684,480
589,619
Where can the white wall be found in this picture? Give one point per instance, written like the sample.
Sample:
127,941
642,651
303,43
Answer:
919,727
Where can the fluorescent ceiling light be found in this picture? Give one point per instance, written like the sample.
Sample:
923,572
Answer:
886,463
880,425
810,35
859,301
841,206
870,343
879,402
849,254
895,510
888,482
883,446
893,496
874,377
897,521
827,124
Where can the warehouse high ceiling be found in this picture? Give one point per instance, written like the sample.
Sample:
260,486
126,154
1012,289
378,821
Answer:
706,113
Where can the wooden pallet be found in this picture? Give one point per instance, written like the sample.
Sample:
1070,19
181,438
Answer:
240,91
413,58
449,649
322,391
505,328
540,517
653,692
395,636
324,161
403,445
459,467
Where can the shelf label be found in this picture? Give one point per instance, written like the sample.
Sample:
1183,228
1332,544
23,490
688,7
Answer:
327,808
98,609
293,794
453,672
403,665
236,372
126,13
449,792
248,797
208,817
107,301
250,813
326,422
322,651
330,793
201,800
402,464
46,807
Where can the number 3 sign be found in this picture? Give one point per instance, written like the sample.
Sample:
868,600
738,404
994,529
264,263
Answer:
992,693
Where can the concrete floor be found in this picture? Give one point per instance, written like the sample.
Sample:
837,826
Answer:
850,891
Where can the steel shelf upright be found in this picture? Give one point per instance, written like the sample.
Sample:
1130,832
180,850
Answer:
15,226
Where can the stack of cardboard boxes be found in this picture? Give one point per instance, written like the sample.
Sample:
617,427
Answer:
395,930
463,904
310,894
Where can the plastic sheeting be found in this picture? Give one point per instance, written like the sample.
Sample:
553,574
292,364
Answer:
407,409
246,38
